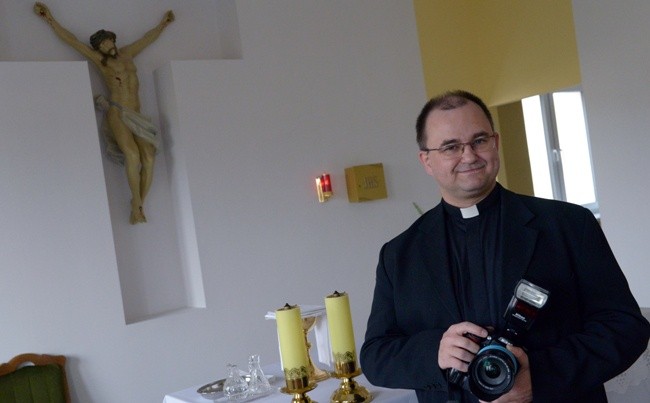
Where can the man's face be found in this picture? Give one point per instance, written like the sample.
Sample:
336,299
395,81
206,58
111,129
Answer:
466,179
107,47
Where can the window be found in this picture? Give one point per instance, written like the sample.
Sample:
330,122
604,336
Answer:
558,147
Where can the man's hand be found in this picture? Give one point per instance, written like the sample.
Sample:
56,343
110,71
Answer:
168,18
456,350
42,11
522,391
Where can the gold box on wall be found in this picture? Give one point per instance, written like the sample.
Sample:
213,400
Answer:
365,183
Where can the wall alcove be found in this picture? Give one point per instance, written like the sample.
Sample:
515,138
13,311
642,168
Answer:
158,262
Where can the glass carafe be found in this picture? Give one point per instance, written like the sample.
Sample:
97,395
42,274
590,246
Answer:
258,383
235,387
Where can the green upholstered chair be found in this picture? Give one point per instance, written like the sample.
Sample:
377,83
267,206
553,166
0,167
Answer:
34,378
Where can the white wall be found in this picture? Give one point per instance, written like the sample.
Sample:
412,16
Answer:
321,85
614,57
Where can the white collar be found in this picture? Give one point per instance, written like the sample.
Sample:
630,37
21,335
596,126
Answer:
469,212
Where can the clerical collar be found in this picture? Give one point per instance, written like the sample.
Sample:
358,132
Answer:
469,212
487,203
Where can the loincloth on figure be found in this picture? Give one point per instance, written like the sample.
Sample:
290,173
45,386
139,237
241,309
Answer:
139,124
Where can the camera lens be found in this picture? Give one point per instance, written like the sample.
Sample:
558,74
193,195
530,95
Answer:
492,372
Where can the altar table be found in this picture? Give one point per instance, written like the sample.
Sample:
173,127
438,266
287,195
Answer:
633,386
321,393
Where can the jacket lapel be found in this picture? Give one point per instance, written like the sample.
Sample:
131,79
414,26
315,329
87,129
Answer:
518,242
518,246
436,261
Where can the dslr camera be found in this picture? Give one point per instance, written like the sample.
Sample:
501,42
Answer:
492,371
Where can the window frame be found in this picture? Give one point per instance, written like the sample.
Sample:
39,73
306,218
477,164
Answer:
554,151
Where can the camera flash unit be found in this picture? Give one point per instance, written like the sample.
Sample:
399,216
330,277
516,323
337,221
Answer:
531,294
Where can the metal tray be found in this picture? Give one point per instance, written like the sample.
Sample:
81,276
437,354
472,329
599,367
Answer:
214,390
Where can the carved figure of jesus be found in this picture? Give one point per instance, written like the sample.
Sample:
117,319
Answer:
133,133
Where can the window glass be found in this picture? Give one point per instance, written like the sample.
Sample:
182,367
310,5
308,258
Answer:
574,146
536,140
558,147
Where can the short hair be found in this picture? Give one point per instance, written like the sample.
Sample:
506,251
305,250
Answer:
98,37
447,101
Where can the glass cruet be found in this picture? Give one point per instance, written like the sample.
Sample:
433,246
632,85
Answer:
258,383
235,387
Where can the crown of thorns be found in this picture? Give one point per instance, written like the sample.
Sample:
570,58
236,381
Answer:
97,38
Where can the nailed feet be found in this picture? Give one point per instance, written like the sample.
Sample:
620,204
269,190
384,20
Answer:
137,214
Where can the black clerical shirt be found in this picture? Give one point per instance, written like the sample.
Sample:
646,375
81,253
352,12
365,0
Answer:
474,247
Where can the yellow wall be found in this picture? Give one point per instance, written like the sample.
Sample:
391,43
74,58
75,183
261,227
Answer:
447,41
503,50
514,150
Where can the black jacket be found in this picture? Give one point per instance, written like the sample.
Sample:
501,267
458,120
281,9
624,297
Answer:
590,330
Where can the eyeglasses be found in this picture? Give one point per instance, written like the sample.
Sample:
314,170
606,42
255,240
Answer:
456,149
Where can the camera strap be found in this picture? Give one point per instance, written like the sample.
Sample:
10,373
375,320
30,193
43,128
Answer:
454,393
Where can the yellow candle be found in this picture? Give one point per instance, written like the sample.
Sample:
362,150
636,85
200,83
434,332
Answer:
339,321
293,349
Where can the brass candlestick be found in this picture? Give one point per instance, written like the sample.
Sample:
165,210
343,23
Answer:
298,384
315,374
300,395
349,390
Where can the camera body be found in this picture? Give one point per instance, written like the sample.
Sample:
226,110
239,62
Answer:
492,372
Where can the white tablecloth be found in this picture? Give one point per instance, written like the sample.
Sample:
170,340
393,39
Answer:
632,386
321,394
